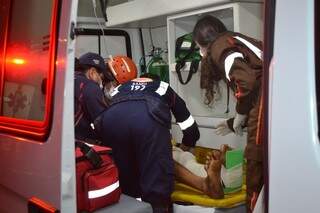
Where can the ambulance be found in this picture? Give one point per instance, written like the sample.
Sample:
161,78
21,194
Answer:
39,40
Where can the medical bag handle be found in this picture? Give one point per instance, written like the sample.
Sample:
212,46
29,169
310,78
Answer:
182,62
90,154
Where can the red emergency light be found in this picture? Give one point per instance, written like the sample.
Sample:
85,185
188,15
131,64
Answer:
18,61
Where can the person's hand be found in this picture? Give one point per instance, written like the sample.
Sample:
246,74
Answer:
222,128
238,122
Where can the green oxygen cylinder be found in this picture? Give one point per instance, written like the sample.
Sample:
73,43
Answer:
158,66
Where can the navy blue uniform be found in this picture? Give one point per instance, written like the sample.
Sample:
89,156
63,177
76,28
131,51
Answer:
89,103
137,127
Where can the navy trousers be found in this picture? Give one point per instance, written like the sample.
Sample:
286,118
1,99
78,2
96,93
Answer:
142,151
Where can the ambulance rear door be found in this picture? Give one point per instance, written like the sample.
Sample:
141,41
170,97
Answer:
36,90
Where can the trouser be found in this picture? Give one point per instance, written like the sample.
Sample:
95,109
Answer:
254,182
141,150
167,208
254,156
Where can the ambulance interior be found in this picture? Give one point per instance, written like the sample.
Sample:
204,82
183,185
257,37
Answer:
35,126
132,30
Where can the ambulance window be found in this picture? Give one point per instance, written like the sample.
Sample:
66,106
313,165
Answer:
110,42
27,65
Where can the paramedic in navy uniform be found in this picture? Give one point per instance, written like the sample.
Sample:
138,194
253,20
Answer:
137,127
89,99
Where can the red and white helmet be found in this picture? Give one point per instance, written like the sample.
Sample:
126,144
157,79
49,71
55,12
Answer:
122,68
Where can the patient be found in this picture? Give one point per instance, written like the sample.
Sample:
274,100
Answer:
205,178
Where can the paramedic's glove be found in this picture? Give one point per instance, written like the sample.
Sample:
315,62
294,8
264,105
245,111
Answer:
238,123
222,128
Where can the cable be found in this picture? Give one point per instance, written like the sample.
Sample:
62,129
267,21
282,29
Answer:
94,4
104,4
142,61
151,40
100,26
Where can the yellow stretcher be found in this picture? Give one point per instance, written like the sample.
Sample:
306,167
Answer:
187,194
184,193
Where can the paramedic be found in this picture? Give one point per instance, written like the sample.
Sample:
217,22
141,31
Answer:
205,178
89,99
188,171
137,128
235,59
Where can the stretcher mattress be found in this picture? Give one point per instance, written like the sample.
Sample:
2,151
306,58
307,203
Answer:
188,195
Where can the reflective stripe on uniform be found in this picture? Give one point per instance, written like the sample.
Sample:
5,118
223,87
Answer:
92,126
187,123
90,145
115,91
162,88
228,62
102,192
253,48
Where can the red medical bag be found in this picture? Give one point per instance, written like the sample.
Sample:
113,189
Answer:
97,177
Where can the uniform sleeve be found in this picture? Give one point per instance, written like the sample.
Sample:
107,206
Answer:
184,119
94,100
247,85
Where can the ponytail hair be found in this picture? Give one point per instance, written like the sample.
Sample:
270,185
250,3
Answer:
210,76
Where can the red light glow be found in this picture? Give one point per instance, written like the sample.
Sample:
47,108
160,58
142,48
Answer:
18,61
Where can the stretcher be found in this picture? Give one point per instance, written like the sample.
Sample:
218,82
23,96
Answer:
187,195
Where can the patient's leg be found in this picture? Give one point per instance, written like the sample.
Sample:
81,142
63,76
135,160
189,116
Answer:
183,175
211,184
188,161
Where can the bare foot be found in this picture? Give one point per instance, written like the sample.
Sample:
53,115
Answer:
212,183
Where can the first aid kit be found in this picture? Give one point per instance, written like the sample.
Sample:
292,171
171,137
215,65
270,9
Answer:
97,177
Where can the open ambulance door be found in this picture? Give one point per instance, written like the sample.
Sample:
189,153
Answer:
294,149
36,90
